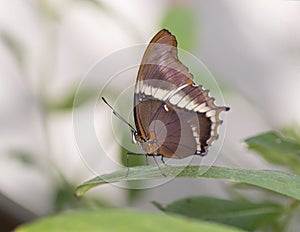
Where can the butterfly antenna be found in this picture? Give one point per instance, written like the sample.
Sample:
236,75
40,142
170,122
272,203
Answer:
118,115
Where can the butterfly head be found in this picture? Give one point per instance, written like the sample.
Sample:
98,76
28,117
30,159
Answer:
136,137
149,144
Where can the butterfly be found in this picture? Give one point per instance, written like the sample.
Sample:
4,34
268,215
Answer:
174,117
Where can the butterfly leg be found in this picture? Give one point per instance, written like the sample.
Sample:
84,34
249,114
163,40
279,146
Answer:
147,162
159,166
127,160
127,165
163,161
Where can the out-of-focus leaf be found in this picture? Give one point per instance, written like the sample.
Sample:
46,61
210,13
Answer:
276,149
64,199
182,22
292,132
274,140
13,45
23,156
48,10
238,213
277,181
67,103
114,220
97,3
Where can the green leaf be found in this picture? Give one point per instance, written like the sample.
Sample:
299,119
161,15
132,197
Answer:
276,149
238,213
119,220
182,22
284,183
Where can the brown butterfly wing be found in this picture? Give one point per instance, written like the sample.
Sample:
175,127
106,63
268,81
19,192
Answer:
161,68
178,132
160,61
183,133
163,81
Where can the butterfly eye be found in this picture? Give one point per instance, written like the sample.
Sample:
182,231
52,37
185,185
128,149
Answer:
134,136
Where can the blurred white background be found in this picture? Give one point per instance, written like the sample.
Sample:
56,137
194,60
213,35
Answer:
46,47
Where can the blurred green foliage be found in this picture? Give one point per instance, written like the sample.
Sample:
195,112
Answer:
24,157
276,148
14,45
239,213
182,21
64,199
73,99
120,220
